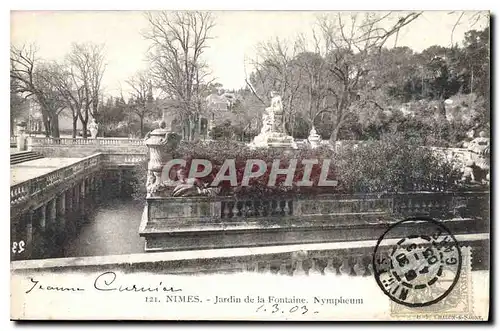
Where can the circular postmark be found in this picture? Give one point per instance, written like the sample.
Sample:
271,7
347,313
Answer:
419,269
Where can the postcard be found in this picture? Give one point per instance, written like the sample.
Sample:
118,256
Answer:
250,165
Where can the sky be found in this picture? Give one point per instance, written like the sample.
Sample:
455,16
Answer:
237,34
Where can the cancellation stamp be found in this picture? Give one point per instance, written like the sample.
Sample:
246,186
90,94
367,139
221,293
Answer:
420,269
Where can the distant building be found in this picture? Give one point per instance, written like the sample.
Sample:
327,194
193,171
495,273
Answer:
214,110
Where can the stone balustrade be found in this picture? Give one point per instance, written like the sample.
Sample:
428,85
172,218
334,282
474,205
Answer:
352,258
216,222
41,141
29,189
123,160
79,147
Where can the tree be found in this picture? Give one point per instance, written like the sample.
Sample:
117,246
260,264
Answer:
349,43
86,68
34,79
178,41
18,107
476,61
141,97
70,92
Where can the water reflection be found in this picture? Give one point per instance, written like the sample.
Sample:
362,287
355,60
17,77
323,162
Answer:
111,229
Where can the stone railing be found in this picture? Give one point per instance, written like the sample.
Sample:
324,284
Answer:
123,160
404,204
199,222
13,140
79,147
327,259
28,190
41,141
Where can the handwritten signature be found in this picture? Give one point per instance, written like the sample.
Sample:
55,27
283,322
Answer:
105,282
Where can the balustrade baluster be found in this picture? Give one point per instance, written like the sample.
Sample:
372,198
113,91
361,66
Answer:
234,212
330,268
409,207
248,208
276,207
359,267
267,268
283,269
416,208
255,206
299,269
224,209
265,208
314,270
256,267
345,268
286,208
370,269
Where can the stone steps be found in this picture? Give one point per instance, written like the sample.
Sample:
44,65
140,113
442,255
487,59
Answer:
21,157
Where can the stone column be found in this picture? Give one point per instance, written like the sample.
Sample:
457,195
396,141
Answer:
69,201
92,187
82,197
120,182
61,209
29,232
43,217
97,186
76,199
52,211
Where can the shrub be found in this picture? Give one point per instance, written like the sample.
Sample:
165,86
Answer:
395,164
392,164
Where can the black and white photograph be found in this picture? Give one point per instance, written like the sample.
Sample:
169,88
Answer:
250,165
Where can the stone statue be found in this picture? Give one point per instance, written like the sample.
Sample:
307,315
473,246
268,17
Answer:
267,122
94,128
276,109
272,133
479,149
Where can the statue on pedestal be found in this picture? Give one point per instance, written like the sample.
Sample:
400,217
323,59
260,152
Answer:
93,128
276,111
272,132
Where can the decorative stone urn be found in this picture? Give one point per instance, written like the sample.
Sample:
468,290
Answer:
157,142
314,138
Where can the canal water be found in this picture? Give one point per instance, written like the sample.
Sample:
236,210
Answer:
111,229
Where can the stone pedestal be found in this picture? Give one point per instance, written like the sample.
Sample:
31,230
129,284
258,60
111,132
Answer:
274,139
273,128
